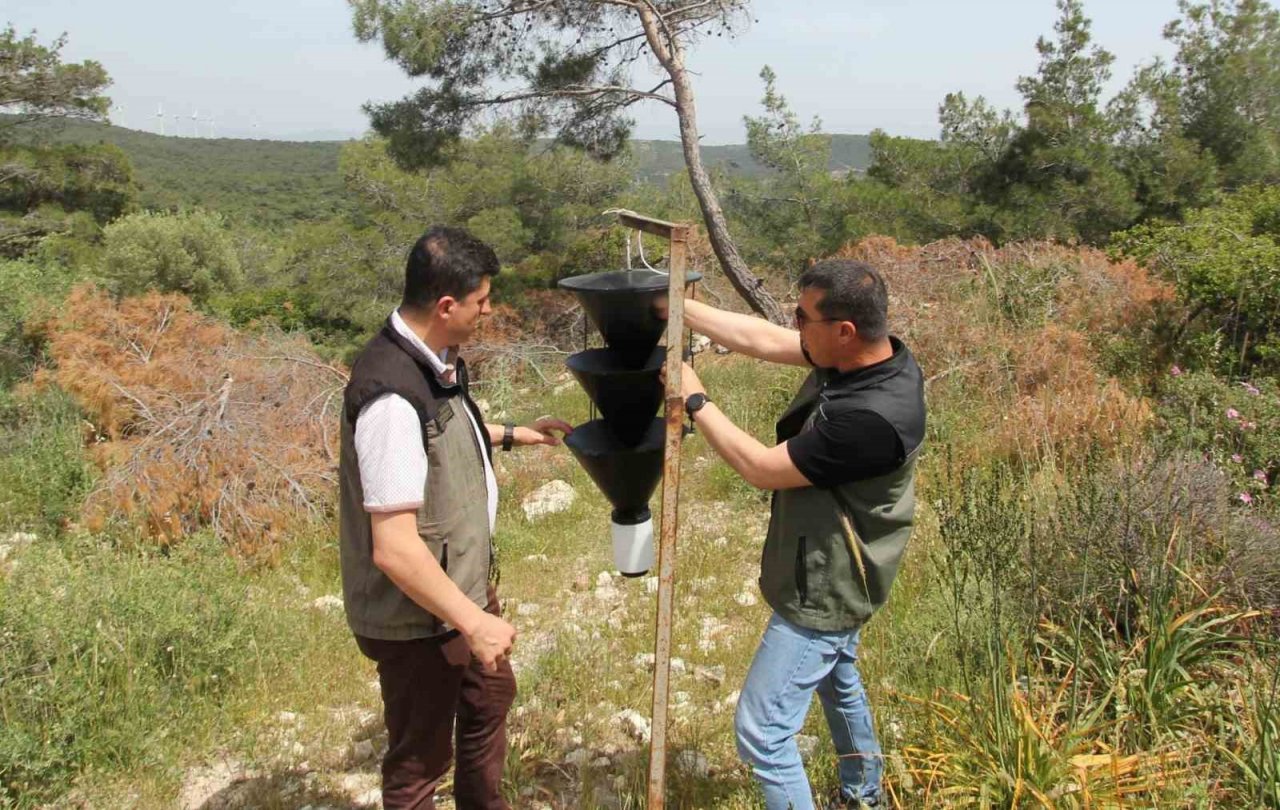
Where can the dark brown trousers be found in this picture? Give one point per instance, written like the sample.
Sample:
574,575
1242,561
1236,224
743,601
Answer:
436,696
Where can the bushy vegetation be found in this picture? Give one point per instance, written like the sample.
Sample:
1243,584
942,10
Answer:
1225,261
1236,424
187,253
44,475
269,183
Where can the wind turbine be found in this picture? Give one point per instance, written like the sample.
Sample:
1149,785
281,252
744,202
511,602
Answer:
195,122
177,125
213,127
160,115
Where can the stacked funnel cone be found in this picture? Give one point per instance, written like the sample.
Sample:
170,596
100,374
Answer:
622,450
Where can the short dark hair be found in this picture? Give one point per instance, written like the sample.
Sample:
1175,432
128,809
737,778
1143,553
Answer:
446,261
855,292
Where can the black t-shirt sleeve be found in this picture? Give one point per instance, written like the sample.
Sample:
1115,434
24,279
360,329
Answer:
845,445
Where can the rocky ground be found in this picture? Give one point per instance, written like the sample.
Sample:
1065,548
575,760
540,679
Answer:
591,756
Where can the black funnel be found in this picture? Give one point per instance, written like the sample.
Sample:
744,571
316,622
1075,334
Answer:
628,307
627,397
626,475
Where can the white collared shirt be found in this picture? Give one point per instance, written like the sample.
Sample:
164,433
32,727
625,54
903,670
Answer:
393,462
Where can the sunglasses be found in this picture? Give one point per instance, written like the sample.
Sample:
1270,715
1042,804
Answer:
803,318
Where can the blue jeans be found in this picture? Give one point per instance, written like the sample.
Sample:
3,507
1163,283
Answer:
790,665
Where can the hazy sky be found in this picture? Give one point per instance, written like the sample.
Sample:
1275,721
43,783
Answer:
293,67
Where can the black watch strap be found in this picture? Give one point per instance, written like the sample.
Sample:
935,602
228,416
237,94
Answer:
508,435
695,403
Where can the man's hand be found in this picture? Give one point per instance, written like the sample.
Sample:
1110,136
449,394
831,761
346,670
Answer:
542,431
399,553
689,382
490,639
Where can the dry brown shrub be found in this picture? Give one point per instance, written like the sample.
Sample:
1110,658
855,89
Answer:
544,318
1062,405
1110,297
513,343
196,425
1032,388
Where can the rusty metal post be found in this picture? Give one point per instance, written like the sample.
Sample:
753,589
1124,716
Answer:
670,520
678,236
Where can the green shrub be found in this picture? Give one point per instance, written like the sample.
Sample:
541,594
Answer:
26,287
105,657
60,189
1225,262
501,229
1236,425
43,472
190,253
294,309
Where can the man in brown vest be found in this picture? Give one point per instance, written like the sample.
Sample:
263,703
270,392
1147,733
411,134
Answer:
418,501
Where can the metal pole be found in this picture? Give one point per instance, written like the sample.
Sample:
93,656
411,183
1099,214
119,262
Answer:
670,518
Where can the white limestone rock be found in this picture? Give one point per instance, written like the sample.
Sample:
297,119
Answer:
329,603
362,750
551,498
807,745
14,543
693,763
634,724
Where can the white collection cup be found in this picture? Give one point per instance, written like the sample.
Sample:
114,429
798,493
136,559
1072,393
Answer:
633,547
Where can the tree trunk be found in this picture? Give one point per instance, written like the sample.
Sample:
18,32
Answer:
748,286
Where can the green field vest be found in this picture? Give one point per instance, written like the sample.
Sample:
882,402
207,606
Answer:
831,555
453,520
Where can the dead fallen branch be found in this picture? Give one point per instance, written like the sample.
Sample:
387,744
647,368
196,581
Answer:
196,425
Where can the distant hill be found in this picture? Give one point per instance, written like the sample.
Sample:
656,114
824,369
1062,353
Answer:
271,182
277,182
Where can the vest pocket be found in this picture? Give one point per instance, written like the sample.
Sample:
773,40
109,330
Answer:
802,570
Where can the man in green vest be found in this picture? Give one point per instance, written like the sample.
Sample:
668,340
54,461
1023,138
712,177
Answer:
843,480
417,504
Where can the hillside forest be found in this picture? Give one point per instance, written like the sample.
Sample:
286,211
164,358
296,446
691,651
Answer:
1089,612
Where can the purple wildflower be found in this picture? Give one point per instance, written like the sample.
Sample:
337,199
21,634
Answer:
1246,498
1232,413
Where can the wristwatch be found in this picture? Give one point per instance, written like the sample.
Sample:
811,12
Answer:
508,435
695,403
